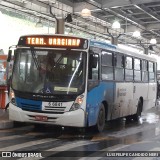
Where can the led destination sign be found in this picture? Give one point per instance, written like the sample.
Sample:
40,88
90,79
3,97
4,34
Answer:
53,41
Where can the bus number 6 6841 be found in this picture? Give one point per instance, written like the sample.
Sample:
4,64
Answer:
55,104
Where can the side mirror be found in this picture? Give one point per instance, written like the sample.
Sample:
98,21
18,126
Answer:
9,56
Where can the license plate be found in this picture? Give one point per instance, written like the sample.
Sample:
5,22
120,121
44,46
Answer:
41,118
55,104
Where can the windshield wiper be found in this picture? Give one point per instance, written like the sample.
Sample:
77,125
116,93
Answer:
35,58
60,58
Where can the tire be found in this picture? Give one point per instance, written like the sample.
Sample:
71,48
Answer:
101,119
139,111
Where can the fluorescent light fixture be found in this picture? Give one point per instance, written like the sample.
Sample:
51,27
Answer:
153,41
85,13
116,25
39,23
136,34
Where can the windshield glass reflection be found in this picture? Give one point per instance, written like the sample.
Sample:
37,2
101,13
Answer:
49,71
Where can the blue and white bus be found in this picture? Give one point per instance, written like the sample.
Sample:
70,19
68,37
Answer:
72,81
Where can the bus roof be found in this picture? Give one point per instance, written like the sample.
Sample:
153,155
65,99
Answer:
108,46
102,44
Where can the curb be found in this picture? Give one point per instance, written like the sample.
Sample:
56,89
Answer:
5,123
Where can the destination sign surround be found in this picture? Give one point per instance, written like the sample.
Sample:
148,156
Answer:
49,41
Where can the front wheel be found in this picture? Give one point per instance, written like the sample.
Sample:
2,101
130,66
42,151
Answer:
101,119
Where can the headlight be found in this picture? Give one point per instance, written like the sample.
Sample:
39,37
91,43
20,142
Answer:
12,96
77,104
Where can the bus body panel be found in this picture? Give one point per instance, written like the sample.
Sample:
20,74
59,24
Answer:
152,94
27,110
103,92
140,90
152,91
73,118
123,99
121,102
35,105
25,103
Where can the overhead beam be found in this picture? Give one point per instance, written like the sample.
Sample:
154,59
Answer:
81,5
149,12
67,2
120,3
153,5
132,28
78,6
129,18
38,3
154,26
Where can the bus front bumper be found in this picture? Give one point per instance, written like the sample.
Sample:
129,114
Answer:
73,118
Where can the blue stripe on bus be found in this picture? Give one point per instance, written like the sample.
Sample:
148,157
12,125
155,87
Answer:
27,104
103,92
101,44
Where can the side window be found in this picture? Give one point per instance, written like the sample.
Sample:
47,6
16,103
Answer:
137,69
129,69
144,71
129,63
119,69
107,65
94,67
151,72
107,58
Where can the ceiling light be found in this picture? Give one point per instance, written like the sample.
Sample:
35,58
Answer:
153,41
39,23
85,13
116,25
136,34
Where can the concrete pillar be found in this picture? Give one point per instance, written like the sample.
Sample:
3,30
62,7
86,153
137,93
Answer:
60,23
146,51
114,40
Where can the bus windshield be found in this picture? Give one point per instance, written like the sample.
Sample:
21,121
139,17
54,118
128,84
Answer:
49,71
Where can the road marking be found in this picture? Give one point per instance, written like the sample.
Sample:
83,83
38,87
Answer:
69,146
27,144
65,148
96,156
11,137
21,136
17,129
